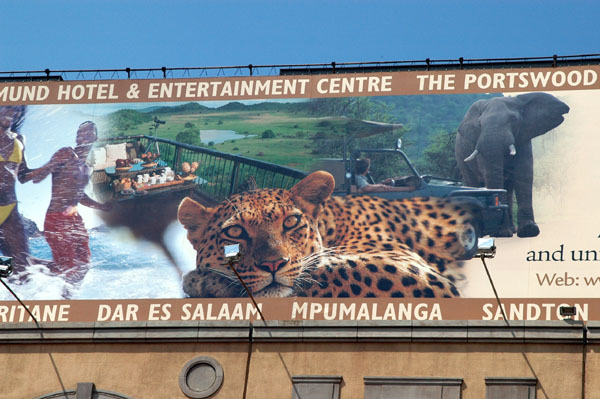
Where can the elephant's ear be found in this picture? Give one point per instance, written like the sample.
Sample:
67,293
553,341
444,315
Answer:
470,127
541,113
469,131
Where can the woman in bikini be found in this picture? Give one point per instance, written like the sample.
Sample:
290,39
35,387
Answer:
13,241
63,227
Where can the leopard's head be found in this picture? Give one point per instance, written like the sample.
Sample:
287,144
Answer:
277,231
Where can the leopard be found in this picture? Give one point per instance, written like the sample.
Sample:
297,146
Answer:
304,242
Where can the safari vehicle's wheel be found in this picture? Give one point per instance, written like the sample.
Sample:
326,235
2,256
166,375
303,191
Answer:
468,238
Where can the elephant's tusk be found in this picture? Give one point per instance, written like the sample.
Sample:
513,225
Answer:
472,156
512,150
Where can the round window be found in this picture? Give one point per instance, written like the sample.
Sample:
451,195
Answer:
201,377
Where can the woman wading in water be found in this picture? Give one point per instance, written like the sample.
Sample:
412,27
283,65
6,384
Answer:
13,240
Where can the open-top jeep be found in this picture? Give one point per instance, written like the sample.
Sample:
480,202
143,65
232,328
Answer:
490,207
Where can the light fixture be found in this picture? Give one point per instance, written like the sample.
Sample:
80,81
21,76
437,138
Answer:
231,251
567,311
6,266
486,248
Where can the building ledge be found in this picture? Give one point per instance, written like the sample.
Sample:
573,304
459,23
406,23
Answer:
303,331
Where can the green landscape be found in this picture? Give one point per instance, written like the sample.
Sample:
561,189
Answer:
296,134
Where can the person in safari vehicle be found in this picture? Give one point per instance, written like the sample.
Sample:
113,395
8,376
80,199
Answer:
365,184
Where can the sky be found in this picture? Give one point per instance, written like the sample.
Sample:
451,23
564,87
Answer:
110,34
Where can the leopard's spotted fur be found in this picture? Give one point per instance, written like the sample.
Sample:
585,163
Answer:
302,242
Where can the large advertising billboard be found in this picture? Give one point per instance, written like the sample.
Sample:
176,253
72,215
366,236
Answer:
336,197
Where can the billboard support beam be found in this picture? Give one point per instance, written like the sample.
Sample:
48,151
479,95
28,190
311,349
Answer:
333,67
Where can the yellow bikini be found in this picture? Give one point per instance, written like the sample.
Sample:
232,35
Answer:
17,153
16,157
5,211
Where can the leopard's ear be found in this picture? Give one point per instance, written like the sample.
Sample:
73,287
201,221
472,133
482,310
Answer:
191,213
313,190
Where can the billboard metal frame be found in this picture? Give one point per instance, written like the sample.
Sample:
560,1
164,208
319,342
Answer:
297,69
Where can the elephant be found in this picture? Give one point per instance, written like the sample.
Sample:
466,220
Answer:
493,149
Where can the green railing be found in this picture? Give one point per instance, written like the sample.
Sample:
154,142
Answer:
219,175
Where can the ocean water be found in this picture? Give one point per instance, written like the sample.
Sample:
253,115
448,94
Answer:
122,268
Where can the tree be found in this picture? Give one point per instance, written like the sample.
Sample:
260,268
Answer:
268,134
438,158
351,107
126,119
189,136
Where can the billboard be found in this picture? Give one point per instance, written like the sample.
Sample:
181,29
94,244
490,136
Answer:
349,196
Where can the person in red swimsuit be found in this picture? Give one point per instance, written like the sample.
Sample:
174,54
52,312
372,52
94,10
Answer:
63,227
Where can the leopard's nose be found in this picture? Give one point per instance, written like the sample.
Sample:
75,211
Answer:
273,266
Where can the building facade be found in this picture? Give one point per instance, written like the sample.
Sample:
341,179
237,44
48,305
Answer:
310,360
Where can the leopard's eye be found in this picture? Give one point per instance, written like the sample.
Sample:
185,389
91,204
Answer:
291,221
234,231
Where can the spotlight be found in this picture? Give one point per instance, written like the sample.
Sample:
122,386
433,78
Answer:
568,311
6,266
486,248
231,251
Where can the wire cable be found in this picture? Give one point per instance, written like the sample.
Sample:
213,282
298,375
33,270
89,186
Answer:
25,307
495,292
529,365
250,338
231,262
41,331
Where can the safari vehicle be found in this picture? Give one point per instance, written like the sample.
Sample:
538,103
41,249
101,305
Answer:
490,205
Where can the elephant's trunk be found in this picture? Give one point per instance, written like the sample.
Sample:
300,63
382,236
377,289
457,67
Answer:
512,150
472,156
